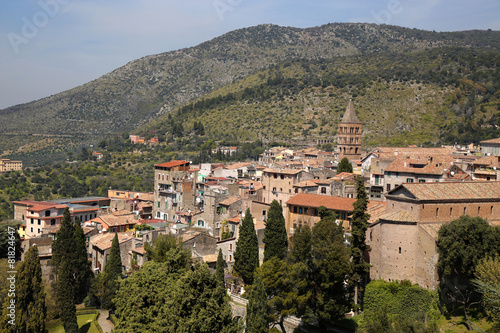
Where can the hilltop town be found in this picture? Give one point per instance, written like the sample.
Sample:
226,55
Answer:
412,192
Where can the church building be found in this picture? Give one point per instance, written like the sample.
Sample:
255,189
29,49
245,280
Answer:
349,135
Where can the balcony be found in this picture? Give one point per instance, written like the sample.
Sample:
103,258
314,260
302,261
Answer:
165,189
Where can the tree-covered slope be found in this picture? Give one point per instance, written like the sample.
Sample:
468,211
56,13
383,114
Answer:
434,96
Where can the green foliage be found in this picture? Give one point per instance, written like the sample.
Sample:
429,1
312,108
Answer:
288,288
330,268
256,321
114,264
81,265
301,245
219,269
402,299
107,282
65,291
141,227
246,255
359,225
168,249
487,283
30,294
461,245
275,237
344,166
159,299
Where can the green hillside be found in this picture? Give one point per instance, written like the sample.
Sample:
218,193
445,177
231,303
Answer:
427,98
319,67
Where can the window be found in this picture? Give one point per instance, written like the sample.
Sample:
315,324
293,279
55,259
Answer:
39,222
421,180
388,187
31,229
52,221
437,211
230,258
323,190
158,204
478,211
465,210
47,213
31,220
264,212
230,247
451,211
295,209
39,231
491,210
300,210
409,180
306,210
399,250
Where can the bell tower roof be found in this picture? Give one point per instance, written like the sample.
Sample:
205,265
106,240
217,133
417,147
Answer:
350,114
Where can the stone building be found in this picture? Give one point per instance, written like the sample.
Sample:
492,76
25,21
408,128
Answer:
349,135
278,184
7,165
174,187
403,241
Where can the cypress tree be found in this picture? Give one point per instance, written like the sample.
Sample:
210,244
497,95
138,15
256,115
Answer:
64,244
114,264
81,265
275,238
65,297
246,255
30,294
219,269
108,279
359,225
257,309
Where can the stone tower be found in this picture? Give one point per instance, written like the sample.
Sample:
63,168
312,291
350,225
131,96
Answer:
349,135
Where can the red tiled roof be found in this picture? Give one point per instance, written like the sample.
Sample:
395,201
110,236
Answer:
229,201
453,190
172,164
283,171
316,200
104,241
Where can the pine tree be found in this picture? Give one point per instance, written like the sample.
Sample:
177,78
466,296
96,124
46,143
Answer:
30,294
275,238
246,255
358,246
219,268
65,297
256,321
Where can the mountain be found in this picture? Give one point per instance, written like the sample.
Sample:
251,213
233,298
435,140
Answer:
145,89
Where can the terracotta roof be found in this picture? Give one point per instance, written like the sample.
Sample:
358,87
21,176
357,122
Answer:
434,165
306,183
490,161
398,216
375,210
139,250
453,190
189,236
238,165
316,200
229,201
210,257
172,164
40,205
496,140
114,221
104,241
284,171
235,219
122,212
431,228
350,114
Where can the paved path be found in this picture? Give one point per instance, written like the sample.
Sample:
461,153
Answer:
106,324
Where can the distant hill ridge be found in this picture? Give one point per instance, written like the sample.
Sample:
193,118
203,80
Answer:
144,89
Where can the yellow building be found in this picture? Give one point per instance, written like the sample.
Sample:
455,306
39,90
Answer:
7,165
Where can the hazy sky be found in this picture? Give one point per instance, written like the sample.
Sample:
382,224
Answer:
48,46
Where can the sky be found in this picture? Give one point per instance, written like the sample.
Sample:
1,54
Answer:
49,46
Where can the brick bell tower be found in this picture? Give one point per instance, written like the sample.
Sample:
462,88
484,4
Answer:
349,135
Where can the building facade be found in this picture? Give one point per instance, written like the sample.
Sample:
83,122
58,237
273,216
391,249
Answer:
349,135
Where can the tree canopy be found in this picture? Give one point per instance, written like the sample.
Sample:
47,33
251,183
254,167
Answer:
256,321
275,237
159,299
344,166
246,255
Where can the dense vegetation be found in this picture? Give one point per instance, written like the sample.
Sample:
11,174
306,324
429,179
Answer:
277,83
